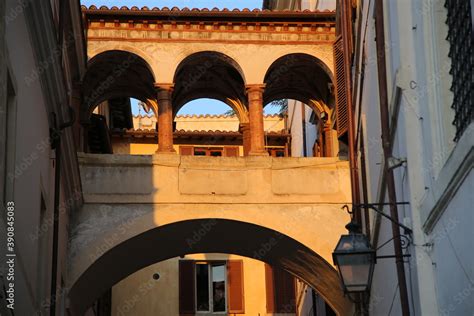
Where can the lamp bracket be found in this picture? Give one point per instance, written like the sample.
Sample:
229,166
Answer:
406,230
394,256
404,242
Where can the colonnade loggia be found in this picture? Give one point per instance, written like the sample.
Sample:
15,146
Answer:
253,131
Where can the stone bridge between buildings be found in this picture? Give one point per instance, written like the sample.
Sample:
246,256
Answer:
139,210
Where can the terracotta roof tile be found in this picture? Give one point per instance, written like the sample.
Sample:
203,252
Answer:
200,132
215,9
203,116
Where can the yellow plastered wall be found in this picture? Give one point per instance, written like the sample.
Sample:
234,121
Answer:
140,294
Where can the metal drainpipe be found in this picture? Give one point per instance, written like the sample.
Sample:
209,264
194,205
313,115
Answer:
56,145
387,149
346,5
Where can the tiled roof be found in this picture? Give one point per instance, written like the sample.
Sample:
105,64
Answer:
195,132
203,116
186,9
203,132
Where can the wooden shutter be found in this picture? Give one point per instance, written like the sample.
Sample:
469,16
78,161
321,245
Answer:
231,151
342,115
269,289
280,291
235,286
186,287
285,297
186,150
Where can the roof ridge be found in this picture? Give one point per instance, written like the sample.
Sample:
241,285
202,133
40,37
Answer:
205,116
184,9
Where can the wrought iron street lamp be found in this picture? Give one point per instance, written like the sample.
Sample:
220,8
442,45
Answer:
355,258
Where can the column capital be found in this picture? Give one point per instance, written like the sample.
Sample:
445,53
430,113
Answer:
244,127
256,87
327,125
164,87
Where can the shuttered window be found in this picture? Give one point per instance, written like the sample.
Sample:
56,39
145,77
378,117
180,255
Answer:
235,286
270,289
211,287
186,287
280,291
342,95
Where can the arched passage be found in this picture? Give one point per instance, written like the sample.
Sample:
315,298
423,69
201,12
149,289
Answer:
300,77
218,236
210,75
117,74
306,79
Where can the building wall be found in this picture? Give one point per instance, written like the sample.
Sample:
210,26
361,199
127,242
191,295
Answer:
437,175
162,299
33,86
295,125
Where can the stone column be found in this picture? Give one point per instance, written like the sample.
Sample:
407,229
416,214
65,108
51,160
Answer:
245,130
327,134
257,134
165,118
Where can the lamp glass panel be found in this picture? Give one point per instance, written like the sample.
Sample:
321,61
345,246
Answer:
355,270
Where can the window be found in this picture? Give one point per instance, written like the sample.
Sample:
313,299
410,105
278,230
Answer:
211,287
276,152
460,37
231,151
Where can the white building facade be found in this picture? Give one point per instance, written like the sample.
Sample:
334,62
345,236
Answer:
429,71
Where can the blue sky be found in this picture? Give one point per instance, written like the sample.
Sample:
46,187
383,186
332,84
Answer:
200,106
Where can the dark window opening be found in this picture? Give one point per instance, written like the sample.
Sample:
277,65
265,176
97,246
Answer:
211,287
460,36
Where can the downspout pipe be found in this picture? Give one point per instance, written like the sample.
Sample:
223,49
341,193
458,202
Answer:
387,150
346,20
56,145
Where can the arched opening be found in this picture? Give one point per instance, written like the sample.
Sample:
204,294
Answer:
214,283
207,127
112,80
210,75
301,85
201,236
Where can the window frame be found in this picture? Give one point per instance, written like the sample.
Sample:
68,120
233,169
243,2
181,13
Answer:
211,311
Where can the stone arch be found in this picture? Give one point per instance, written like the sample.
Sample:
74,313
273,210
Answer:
117,73
298,76
175,239
321,109
210,74
96,48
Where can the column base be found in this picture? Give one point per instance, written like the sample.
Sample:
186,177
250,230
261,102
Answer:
258,153
165,151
